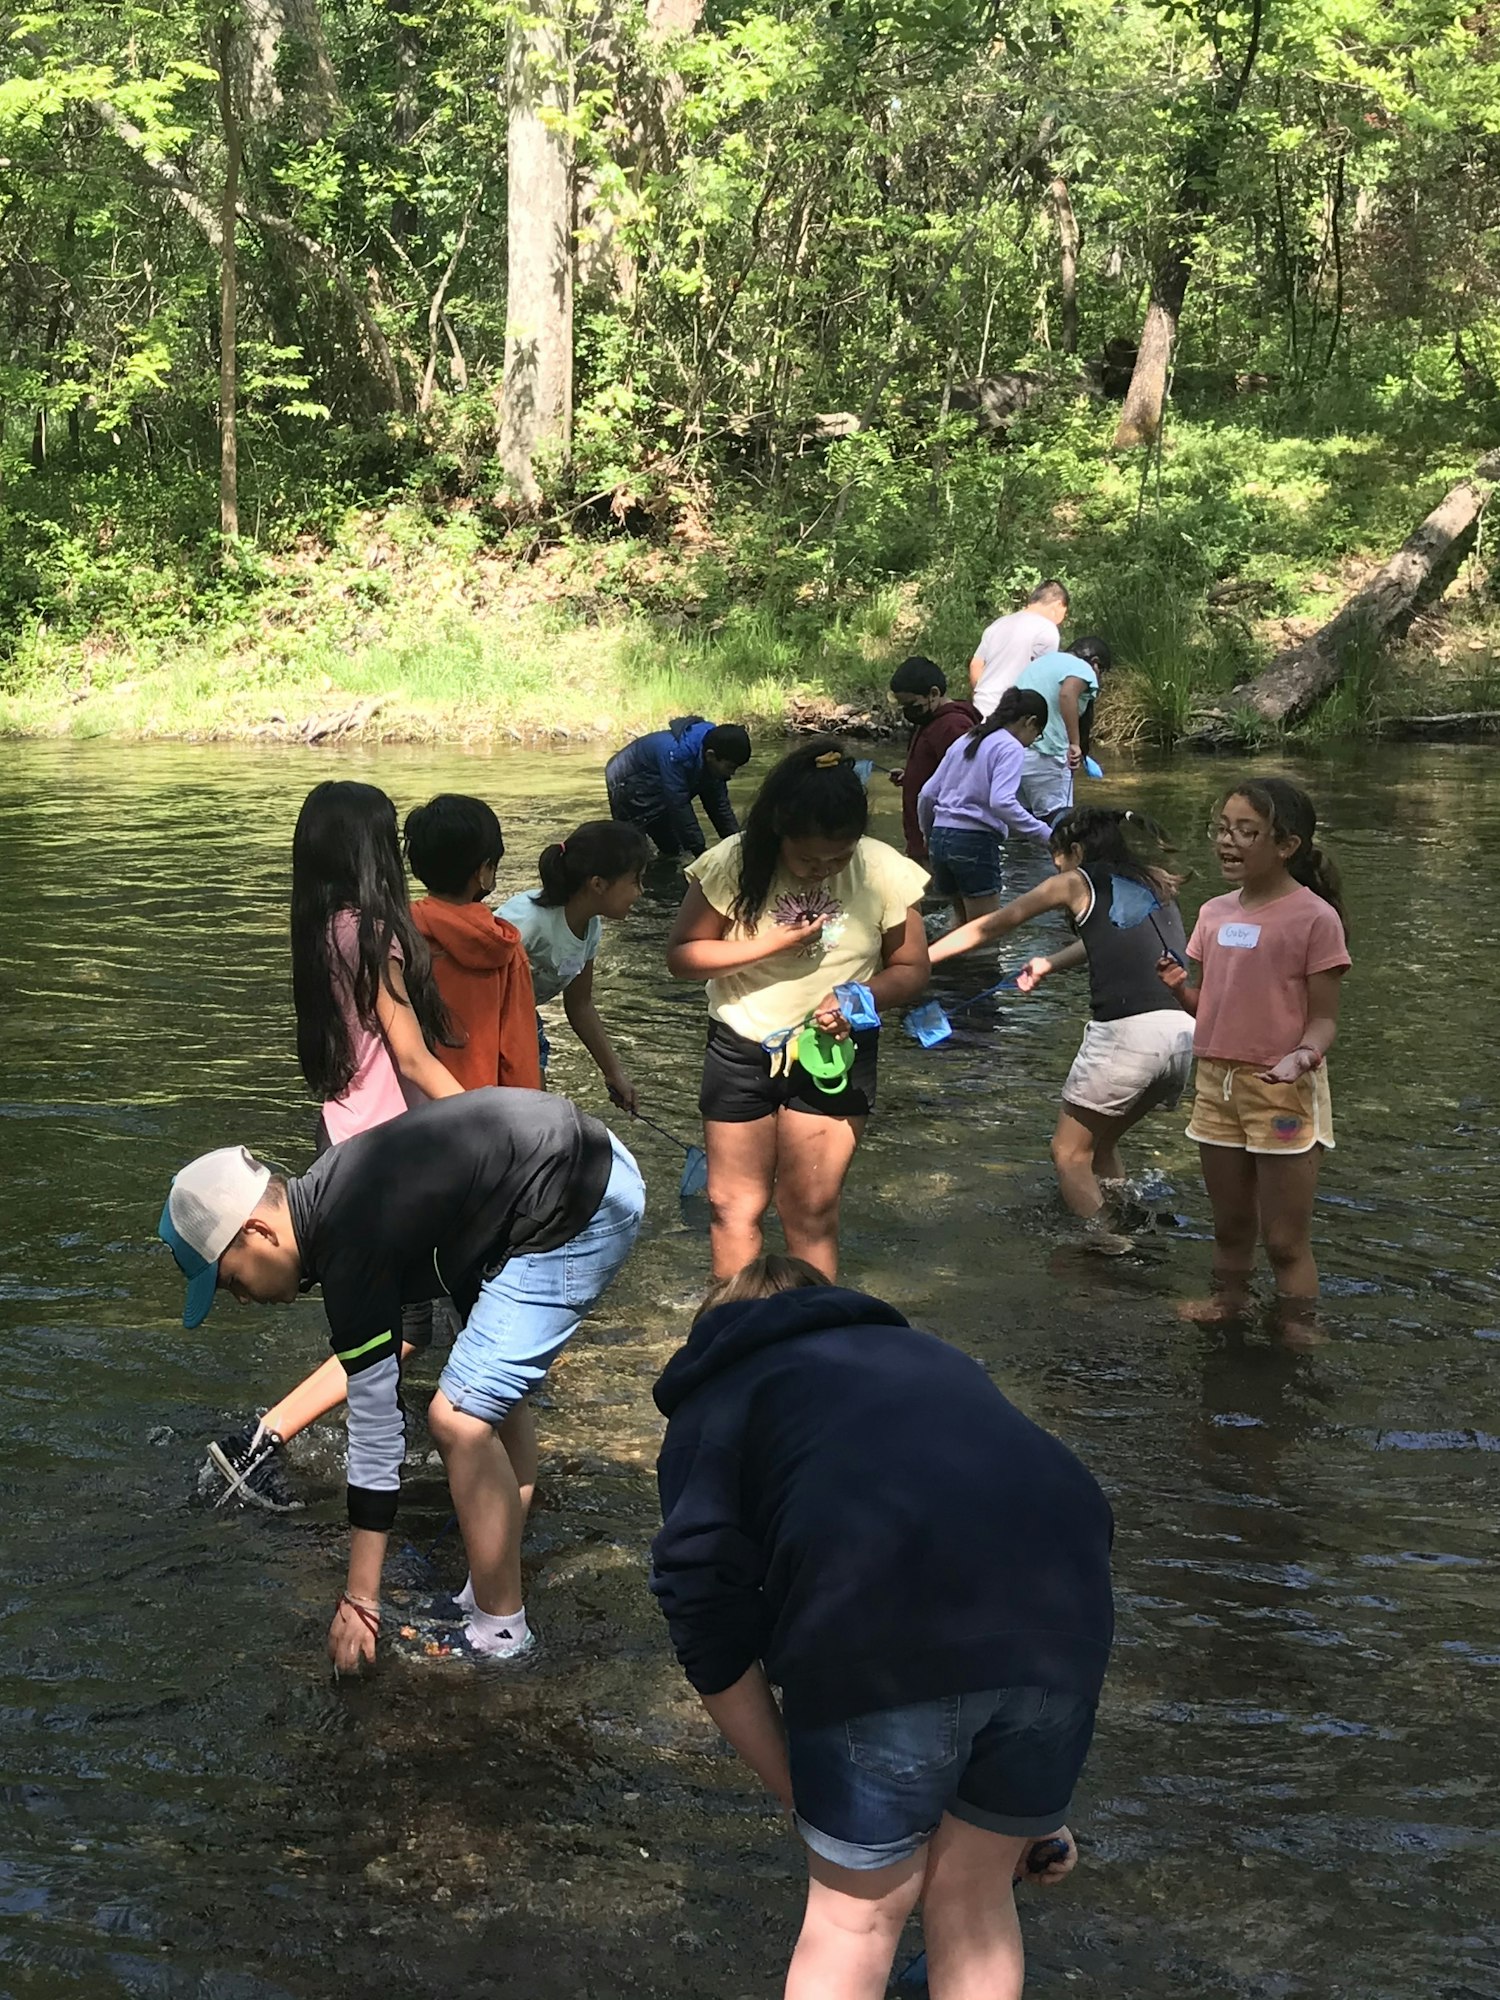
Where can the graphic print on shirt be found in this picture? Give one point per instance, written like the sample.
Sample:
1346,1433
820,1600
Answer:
805,906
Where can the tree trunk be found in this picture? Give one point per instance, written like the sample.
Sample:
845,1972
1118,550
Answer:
1060,202
229,501
538,406
283,44
1197,192
1420,568
638,135
1140,420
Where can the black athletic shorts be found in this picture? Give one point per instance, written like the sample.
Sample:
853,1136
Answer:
738,1086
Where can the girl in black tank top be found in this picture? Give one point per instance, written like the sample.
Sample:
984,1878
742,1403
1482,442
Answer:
1137,1049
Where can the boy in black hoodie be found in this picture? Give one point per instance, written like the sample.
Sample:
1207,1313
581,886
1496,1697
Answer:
852,1510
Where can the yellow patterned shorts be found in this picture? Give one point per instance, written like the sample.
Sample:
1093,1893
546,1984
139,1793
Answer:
1233,1106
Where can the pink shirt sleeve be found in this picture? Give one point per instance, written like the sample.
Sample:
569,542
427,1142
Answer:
346,941
1195,942
1327,949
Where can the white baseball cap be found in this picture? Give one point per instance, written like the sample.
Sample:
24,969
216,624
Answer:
210,1202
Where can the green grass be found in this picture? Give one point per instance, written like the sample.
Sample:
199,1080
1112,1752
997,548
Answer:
468,673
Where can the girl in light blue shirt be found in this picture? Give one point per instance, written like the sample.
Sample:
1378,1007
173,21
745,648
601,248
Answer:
595,873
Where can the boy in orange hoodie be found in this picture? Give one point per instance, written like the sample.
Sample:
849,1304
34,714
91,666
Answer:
454,845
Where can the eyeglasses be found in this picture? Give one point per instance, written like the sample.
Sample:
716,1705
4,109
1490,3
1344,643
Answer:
1242,835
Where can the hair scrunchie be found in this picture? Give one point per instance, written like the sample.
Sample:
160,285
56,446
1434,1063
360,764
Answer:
828,761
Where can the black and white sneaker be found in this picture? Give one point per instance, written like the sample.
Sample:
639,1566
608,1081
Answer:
252,1475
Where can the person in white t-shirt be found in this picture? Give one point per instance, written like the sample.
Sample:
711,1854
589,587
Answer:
1008,646
595,873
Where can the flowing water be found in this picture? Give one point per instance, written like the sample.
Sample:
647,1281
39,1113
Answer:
1294,1788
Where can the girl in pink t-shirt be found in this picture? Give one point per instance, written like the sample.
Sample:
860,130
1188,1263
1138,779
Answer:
368,1010
1271,956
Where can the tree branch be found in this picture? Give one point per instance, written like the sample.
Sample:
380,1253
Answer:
436,316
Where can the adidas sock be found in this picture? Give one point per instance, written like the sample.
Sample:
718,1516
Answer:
497,1635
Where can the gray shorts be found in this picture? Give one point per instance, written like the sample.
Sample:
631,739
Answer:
1132,1065
1046,787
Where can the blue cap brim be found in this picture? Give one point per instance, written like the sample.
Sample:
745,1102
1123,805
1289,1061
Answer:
202,1277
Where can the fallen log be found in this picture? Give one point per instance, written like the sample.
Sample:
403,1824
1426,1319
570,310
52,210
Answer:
1420,569
1464,723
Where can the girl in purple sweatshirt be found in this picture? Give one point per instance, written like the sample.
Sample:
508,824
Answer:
970,804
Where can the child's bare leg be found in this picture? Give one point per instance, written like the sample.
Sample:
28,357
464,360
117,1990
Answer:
1229,1175
851,1928
812,1161
741,1175
487,1500
518,1435
969,1920
1287,1185
1083,1148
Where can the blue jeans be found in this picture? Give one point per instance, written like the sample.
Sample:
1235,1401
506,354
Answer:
528,1312
869,1792
965,861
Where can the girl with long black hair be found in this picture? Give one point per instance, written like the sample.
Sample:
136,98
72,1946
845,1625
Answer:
1136,1053
774,919
368,1013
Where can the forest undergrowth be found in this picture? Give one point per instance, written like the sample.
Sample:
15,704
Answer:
419,609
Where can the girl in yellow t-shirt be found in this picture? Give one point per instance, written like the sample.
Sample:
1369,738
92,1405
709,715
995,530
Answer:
774,919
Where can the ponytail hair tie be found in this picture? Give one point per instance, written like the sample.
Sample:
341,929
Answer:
828,761
562,847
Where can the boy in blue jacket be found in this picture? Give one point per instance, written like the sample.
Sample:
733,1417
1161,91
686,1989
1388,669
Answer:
853,1511
655,780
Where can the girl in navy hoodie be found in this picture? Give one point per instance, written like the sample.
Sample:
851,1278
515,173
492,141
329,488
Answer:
853,1512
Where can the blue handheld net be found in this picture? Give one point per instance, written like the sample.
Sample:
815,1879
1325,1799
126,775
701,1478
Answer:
858,1004
928,1025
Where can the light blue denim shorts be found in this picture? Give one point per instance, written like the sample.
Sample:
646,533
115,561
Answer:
528,1312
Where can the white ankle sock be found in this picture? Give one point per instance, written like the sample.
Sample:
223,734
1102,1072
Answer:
489,1633
465,1597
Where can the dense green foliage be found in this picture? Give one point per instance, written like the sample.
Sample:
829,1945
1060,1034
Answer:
783,215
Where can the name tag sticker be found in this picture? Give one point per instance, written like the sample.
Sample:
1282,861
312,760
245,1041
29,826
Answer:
1239,937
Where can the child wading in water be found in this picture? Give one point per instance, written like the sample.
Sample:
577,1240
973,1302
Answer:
512,1203
853,1512
774,919
1137,1050
1271,956
368,1016
454,845
595,873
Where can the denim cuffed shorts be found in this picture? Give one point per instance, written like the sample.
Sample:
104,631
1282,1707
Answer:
965,861
528,1312
871,1791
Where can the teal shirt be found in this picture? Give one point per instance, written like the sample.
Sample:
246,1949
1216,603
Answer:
1047,675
